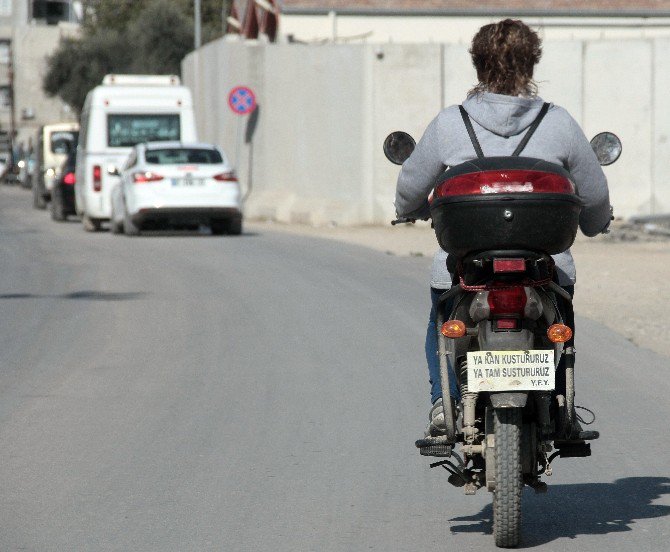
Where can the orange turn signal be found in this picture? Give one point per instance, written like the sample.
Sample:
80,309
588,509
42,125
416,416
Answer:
453,329
559,333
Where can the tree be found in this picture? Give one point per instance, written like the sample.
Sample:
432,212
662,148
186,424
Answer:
127,36
162,35
79,64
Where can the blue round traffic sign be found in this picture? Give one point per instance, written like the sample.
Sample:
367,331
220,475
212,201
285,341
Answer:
242,100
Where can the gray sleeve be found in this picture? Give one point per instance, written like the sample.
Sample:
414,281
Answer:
590,181
418,174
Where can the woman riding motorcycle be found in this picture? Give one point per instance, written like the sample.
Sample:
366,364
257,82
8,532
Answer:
501,107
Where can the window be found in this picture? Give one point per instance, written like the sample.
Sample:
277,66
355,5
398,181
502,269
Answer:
5,8
52,11
4,52
179,156
4,96
124,131
63,141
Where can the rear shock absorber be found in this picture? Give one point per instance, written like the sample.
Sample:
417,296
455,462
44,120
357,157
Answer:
470,431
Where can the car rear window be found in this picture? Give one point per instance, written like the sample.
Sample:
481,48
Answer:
179,156
63,141
127,130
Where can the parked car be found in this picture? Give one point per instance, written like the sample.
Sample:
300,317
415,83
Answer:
26,166
123,111
5,160
54,142
62,193
174,184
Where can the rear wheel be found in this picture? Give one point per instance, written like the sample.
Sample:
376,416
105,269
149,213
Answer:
235,226
57,207
38,199
130,228
218,228
91,224
115,227
509,481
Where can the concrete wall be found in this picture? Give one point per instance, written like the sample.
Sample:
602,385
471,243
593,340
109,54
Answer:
324,111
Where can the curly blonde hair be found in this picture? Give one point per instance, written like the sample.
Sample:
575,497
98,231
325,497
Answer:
504,55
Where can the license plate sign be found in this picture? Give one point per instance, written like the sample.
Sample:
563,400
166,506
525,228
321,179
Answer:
187,182
511,371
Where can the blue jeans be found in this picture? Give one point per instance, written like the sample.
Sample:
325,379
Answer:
431,350
434,360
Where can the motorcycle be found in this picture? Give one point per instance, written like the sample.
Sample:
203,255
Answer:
504,325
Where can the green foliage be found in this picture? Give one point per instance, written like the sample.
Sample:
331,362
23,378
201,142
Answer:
78,65
128,36
162,35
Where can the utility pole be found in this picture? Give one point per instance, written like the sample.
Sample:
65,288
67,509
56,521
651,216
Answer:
12,108
197,17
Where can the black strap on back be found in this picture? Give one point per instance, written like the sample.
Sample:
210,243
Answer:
531,130
522,144
471,132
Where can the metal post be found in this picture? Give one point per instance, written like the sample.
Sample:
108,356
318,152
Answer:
12,107
197,22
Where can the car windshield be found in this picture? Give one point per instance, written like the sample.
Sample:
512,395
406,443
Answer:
63,141
180,156
127,130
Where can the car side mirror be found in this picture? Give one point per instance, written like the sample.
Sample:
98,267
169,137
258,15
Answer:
398,146
607,147
113,170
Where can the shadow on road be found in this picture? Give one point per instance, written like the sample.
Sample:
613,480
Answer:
79,295
567,511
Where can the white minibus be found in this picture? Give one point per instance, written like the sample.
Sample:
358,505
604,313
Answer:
53,143
125,110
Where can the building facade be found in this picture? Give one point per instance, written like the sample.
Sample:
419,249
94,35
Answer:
29,31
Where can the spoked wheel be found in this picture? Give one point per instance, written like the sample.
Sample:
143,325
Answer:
509,481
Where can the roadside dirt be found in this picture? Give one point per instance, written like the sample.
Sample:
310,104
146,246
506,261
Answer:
621,277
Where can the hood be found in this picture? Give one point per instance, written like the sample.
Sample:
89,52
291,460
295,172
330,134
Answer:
503,115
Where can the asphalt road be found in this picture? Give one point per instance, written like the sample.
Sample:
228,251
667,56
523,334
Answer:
262,393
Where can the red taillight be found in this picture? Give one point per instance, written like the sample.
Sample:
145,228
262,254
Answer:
503,182
226,177
507,301
69,178
143,177
97,178
509,265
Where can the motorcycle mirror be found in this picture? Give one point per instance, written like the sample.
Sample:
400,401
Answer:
398,146
607,147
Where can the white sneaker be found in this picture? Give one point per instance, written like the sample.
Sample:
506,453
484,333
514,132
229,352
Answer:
436,425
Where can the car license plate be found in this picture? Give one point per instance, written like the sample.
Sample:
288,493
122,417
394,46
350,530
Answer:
187,181
532,370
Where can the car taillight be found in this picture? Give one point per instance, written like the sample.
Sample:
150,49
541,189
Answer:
143,177
97,178
226,177
507,301
504,181
69,178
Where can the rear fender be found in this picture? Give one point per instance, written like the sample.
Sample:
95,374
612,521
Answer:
515,399
490,340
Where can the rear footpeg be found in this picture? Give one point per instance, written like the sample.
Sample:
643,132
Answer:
434,446
588,435
573,449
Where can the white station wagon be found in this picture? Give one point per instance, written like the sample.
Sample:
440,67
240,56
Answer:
174,184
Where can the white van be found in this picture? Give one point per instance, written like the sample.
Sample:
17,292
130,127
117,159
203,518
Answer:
53,143
125,110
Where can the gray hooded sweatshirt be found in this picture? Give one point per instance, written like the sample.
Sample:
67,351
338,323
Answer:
499,122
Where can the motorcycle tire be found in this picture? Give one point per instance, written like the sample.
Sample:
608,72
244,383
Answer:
509,480
57,208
